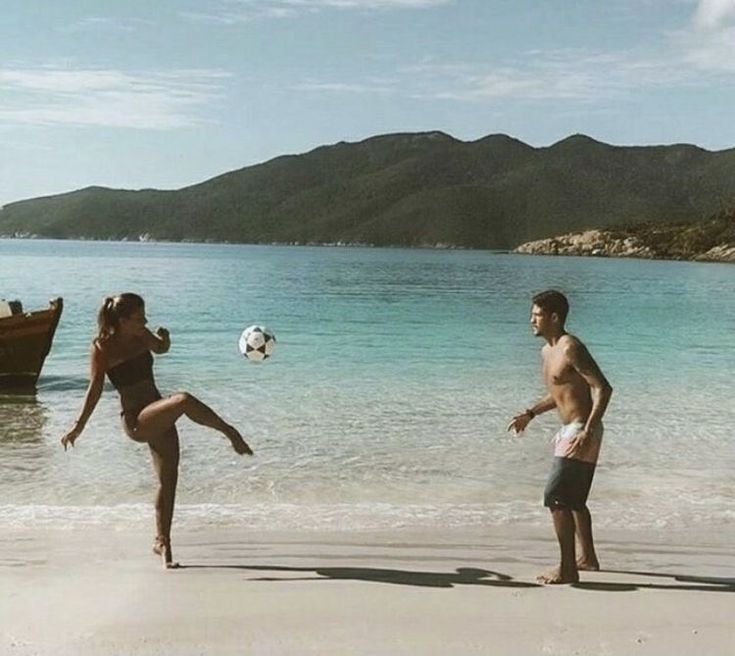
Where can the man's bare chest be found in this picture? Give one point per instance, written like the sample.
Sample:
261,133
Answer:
558,371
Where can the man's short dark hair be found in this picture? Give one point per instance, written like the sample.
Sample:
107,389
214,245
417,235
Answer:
553,301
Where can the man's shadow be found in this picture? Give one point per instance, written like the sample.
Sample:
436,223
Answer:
691,583
461,576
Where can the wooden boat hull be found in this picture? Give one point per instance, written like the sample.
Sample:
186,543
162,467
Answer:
25,341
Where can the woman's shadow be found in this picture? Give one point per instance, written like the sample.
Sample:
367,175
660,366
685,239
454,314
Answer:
461,576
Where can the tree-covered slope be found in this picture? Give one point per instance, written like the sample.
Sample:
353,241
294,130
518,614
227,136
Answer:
405,189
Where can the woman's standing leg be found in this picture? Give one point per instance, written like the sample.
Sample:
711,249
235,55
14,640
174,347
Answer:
165,453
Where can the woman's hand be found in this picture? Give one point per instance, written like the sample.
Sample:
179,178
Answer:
71,436
158,341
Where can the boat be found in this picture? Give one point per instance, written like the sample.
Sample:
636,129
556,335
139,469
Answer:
25,341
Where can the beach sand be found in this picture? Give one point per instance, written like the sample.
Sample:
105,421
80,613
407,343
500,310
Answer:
458,591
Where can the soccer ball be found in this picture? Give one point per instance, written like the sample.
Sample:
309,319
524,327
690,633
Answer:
257,343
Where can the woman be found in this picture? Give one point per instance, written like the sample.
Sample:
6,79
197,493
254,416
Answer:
122,350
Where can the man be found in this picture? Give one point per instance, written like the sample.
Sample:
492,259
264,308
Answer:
580,393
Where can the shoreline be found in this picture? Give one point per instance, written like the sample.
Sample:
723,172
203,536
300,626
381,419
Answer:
552,246
141,239
401,591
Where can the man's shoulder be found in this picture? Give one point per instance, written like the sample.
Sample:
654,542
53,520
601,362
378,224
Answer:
570,343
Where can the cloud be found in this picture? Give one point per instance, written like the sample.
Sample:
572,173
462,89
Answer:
369,4
109,98
713,14
708,46
106,24
572,76
699,54
232,12
382,87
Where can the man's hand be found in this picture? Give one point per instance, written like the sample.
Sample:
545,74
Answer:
578,443
70,437
519,422
162,333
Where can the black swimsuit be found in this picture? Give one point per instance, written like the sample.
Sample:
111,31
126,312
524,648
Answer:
129,372
133,379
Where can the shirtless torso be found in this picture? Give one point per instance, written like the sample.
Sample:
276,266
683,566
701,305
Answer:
564,382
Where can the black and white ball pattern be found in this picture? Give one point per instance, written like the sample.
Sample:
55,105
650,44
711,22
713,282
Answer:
257,343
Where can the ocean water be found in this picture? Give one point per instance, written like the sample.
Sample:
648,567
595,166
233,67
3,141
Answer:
387,399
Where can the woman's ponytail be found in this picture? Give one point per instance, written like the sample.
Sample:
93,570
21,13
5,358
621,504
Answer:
107,319
113,309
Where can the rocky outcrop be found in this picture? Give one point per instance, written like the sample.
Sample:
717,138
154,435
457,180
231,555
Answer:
712,240
597,243
722,253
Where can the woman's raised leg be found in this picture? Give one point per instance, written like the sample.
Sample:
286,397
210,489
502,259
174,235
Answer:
165,453
159,416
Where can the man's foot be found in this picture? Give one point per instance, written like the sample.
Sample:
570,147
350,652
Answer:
557,576
588,565
239,444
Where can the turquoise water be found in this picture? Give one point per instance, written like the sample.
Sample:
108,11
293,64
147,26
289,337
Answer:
386,401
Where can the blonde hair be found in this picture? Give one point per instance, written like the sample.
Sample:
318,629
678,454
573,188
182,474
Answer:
113,309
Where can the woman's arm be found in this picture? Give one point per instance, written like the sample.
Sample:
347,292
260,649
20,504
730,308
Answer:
158,342
97,368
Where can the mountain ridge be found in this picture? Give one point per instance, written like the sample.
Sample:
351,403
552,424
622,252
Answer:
404,189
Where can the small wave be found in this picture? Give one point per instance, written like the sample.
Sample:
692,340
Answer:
55,383
280,516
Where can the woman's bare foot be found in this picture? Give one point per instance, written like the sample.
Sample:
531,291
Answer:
557,577
239,444
588,565
162,547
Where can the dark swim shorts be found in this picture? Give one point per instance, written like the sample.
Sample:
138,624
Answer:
568,484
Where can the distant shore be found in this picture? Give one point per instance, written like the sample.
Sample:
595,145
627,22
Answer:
590,243
147,239
400,592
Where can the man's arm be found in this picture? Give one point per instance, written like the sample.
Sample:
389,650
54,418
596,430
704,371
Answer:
519,422
600,389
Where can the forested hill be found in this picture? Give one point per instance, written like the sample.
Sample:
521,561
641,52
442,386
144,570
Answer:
423,189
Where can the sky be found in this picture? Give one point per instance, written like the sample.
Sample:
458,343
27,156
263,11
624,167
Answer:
167,93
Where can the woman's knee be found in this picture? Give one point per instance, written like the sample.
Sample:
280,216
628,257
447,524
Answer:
184,399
